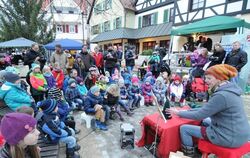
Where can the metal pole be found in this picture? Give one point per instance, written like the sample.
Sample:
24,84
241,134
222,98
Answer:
83,28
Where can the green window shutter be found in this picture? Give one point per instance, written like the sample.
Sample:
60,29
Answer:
114,24
156,18
139,22
165,16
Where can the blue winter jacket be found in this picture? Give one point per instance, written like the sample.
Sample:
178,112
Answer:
14,96
90,101
63,109
52,125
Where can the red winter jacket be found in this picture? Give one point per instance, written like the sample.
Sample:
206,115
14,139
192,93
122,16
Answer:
59,76
98,59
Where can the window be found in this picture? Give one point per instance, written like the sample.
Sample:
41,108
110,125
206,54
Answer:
59,28
95,29
108,4
58,11
149,20
149,45
72,29
106,26
164,43
98,8
171,16
165,16
71,12
196,4
118,23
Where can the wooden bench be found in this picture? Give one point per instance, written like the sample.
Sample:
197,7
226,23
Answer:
48,150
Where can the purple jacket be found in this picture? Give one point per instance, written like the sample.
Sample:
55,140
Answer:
201,61
147,89
50,81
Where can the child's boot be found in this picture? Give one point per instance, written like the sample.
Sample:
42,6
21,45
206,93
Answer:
103,126
71,153
77,147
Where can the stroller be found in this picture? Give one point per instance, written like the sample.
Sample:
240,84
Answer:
199,89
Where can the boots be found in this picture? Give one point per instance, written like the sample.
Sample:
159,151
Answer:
101,125
71,153
77,147
187,150
191,151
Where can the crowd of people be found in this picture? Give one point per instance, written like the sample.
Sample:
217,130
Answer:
100,85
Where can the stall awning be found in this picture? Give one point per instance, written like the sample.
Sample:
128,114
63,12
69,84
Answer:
17,43
65,43
215,23
128,33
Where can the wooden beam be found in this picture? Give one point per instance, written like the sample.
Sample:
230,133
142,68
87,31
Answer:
91,11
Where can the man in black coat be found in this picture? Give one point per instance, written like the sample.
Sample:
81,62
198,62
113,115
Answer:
237,57
34,55
87,59
110,58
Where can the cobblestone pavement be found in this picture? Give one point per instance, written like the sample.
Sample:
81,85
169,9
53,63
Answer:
100,144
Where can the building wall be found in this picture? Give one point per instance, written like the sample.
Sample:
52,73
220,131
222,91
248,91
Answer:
184,14
61,17
130,19
116,11
160,14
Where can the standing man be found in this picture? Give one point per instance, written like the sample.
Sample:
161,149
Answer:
119,56
87,59
34,55
110,58
60,57
236,58
130,59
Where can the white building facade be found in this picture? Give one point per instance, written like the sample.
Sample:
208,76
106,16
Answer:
69,19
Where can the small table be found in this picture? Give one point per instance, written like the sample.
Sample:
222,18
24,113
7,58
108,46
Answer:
168,133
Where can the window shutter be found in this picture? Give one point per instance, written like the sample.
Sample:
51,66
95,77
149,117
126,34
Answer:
139,21
114,24
67,28
165,16
156,18
76,29
63,28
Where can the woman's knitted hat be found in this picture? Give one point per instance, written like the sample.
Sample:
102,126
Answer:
34,66
15,126
222,71
48,106
71,80
135,80
177,78
11,77
94,89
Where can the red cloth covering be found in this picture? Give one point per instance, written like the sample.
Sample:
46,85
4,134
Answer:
169,133
222,152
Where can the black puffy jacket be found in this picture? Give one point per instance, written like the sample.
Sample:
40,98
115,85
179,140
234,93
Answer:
237,59
110,58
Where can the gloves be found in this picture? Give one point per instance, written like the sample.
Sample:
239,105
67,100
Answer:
68,131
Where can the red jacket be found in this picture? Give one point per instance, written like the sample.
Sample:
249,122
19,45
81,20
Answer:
59,76
98,59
